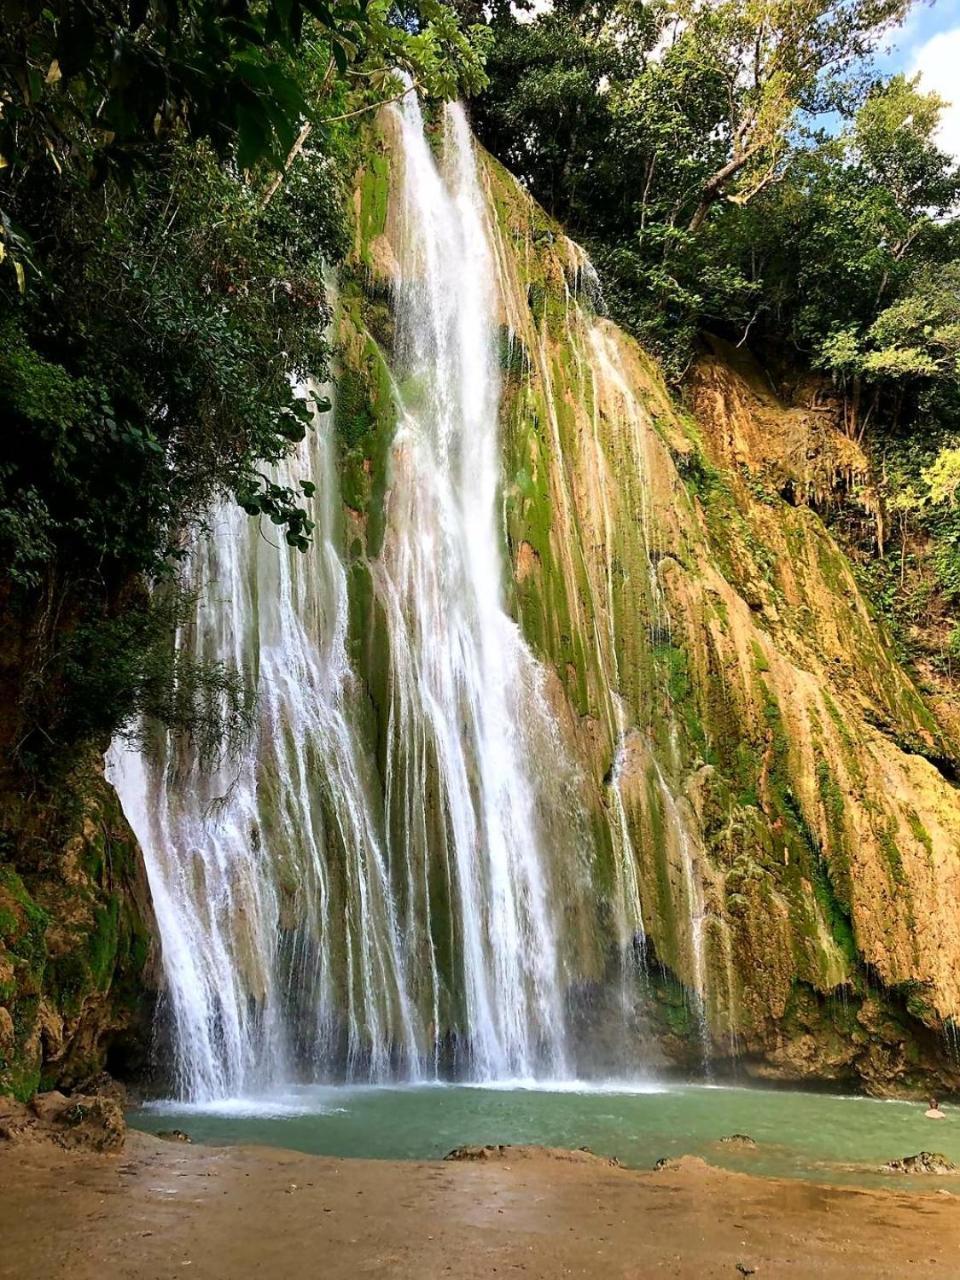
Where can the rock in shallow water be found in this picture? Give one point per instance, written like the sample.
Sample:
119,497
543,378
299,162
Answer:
739,1140
922,1162
502,1151
688,1163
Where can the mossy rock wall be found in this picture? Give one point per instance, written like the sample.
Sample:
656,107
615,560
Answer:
77,964
699,625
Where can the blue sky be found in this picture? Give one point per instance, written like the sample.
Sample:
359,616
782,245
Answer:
929,42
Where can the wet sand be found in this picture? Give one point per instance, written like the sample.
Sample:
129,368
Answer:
162,1209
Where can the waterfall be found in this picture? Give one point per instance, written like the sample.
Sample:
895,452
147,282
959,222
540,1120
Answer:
466,687
296,889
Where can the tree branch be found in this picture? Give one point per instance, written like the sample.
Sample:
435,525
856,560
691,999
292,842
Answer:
373,106
307,129
279,176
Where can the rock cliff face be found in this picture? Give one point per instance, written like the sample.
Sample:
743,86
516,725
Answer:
76,937
754,766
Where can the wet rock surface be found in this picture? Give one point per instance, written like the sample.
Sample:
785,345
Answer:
923,1162
678,1164
78,953
742,1140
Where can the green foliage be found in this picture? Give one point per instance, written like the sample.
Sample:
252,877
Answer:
122,672
942,477
125,672
99,81
159,375
918,336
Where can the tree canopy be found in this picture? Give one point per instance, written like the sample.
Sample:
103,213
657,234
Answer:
665,133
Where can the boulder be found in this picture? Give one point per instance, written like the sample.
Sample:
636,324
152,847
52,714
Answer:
80,1122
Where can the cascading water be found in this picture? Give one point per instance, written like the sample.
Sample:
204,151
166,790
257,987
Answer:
314,919
268,875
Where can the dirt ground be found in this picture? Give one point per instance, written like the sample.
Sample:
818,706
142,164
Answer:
163,1209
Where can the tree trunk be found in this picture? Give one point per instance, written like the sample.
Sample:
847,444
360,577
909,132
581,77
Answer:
279,176
712,189
700,216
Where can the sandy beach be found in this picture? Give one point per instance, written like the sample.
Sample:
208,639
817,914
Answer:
163,1209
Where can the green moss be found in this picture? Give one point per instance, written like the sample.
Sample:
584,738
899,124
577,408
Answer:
663,925
701,478
832,798
353,417
537,300
841,725
674,666
513,357
374,199
379,319
832,563
103,946
365,414
760,663
22,922
677,1012
920,832
23,927
886,838
834,911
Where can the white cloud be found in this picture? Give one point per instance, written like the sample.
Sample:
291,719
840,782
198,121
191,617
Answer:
938,61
